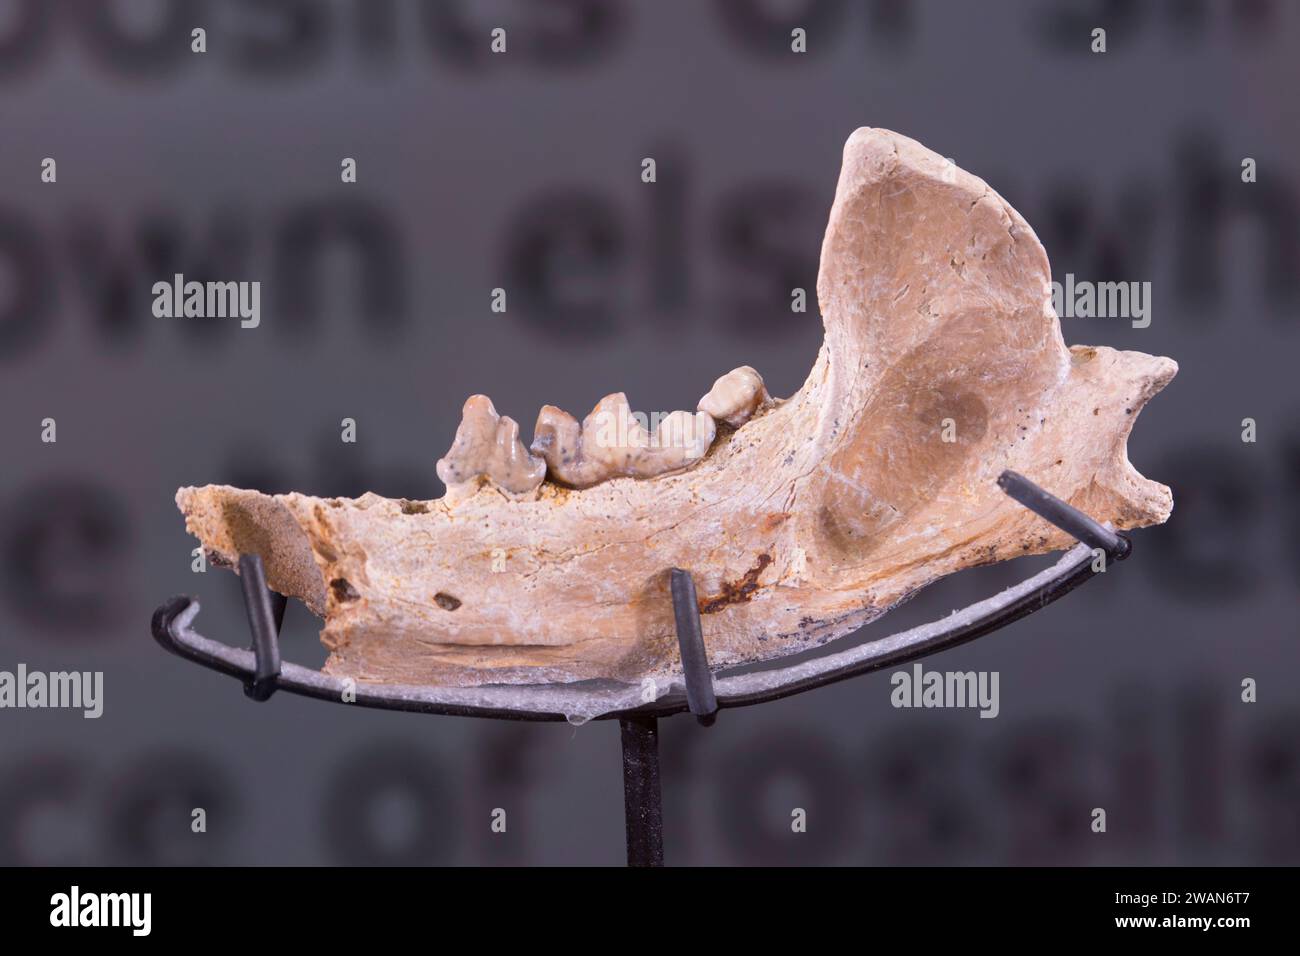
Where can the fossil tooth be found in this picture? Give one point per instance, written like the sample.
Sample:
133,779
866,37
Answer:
735,397
612,442
943,364
487,446
684,437
557,439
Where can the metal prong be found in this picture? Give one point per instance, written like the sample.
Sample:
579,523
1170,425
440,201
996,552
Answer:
1066,517
700,696
264,618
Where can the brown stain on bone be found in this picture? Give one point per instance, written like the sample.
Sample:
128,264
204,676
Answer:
737,592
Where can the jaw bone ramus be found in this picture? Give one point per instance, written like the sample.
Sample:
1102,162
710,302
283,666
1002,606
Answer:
942,365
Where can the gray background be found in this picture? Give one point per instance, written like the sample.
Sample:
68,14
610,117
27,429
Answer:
522,171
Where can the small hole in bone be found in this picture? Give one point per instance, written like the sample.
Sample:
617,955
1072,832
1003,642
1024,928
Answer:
414,507
343,590
446,601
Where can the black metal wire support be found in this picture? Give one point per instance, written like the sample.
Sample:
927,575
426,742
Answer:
265,615
700,697
262,671
1066,517
642,794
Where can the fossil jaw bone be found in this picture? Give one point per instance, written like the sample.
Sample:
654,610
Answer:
943,364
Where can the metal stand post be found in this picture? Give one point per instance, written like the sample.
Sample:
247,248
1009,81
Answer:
642,794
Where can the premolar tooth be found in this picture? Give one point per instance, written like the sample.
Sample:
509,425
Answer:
735,397
557,439
487,445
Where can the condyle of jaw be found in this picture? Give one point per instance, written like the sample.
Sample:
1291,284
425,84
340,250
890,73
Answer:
611,442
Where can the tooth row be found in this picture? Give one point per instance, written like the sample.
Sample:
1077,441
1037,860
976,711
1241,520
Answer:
610,442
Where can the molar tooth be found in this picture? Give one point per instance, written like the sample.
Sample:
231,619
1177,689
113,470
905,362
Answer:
735,397
611,430
487,445
687,435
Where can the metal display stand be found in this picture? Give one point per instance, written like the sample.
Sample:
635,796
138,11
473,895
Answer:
263,673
